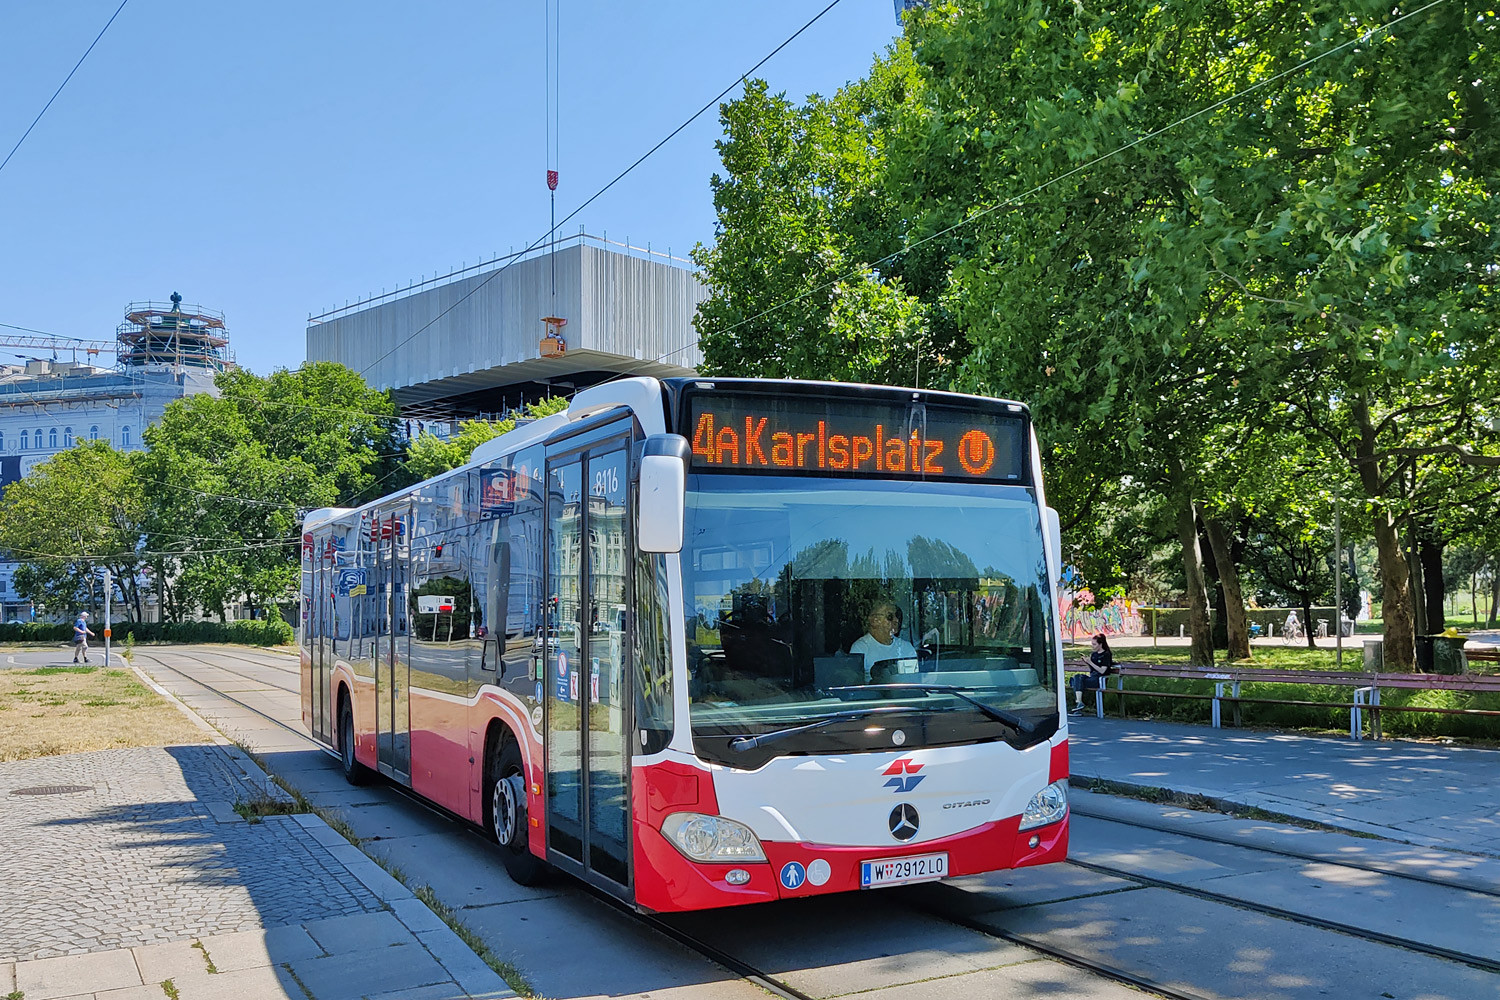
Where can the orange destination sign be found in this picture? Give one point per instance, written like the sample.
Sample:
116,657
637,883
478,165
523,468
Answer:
854,437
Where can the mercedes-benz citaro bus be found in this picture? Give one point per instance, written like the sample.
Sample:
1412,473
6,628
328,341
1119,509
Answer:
705,641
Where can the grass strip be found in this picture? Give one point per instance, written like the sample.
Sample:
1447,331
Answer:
66,709
505,970
170,989
260,805
299,803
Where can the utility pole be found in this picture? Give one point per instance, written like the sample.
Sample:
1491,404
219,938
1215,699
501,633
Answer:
107,588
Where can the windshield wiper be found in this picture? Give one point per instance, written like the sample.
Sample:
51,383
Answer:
998,714
740,744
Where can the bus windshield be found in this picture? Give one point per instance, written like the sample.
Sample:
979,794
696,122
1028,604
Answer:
813,599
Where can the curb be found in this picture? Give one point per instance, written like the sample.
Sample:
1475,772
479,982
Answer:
468,970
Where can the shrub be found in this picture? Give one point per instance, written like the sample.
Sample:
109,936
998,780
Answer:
249,633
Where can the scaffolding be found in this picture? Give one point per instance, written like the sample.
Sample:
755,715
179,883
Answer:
161,334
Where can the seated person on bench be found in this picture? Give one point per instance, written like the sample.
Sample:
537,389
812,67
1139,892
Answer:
882,642
1101,665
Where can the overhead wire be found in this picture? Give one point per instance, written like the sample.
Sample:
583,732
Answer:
60,86
599,193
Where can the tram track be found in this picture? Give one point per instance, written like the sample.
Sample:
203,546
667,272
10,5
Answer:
238,701
1066,957
1322,923
1310,857
725,959
953,914
744,970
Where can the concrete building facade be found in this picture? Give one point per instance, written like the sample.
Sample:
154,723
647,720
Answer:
476,342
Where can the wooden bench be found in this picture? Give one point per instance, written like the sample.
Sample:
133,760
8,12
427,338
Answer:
1366,697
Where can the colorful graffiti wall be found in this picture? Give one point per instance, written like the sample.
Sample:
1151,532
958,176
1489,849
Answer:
1081,619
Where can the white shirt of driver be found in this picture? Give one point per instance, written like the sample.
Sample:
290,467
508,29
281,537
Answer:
874,651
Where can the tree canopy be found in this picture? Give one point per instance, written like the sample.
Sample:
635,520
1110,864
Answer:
1151,224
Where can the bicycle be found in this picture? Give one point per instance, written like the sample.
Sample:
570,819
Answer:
1292,631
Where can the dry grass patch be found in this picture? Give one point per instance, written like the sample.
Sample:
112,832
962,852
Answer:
56,710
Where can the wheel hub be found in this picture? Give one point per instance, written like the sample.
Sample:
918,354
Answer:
508,808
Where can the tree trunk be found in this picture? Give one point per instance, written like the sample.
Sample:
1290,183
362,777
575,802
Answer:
1234,599
1308,629
1197,591
1494,600
1430,555
1400,649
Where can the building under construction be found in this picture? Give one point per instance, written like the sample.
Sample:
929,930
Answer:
163,351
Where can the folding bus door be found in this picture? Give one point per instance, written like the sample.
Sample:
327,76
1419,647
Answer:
390,532
587,698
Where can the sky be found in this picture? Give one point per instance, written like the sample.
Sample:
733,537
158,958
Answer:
278,159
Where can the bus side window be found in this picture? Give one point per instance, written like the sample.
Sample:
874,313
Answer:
653,660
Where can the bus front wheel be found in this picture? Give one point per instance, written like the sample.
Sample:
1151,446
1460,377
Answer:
354,772
508,822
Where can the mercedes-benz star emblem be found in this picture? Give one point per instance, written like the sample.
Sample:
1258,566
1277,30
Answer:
904,821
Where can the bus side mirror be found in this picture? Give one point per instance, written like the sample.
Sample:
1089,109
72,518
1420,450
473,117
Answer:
660,508
1054,543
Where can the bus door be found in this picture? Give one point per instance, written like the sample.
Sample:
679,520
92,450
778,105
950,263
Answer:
391,534
586,675
320,622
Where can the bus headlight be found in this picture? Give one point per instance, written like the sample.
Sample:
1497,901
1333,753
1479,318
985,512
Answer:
712,838
1047,806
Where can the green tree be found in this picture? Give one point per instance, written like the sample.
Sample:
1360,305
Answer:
229,475
1320,246
429,455
80,511
802,274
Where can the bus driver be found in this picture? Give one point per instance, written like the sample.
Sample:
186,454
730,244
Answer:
882,641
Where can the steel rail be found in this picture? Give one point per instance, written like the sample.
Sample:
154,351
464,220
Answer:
775,986
1295,855
712,952
1077,961
1322,923
739,968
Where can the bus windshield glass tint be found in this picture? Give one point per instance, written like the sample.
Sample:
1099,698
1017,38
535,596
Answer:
887,439
800,596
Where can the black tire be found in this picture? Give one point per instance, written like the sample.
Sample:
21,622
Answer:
511,831
354,772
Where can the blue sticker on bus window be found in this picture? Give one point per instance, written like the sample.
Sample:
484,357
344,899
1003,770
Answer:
538,690
793,875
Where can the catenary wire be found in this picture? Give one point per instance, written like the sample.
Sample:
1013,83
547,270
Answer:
597,194
60,86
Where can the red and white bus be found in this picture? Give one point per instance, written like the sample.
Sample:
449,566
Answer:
711,641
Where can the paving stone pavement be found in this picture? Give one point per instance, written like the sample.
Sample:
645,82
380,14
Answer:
152,852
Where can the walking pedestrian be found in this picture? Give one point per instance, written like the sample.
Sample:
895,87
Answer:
81,633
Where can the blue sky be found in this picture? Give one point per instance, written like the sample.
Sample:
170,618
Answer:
275,159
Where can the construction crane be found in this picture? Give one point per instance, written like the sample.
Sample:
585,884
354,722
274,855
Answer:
90,348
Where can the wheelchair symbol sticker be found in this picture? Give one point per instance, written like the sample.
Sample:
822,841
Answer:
793,875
